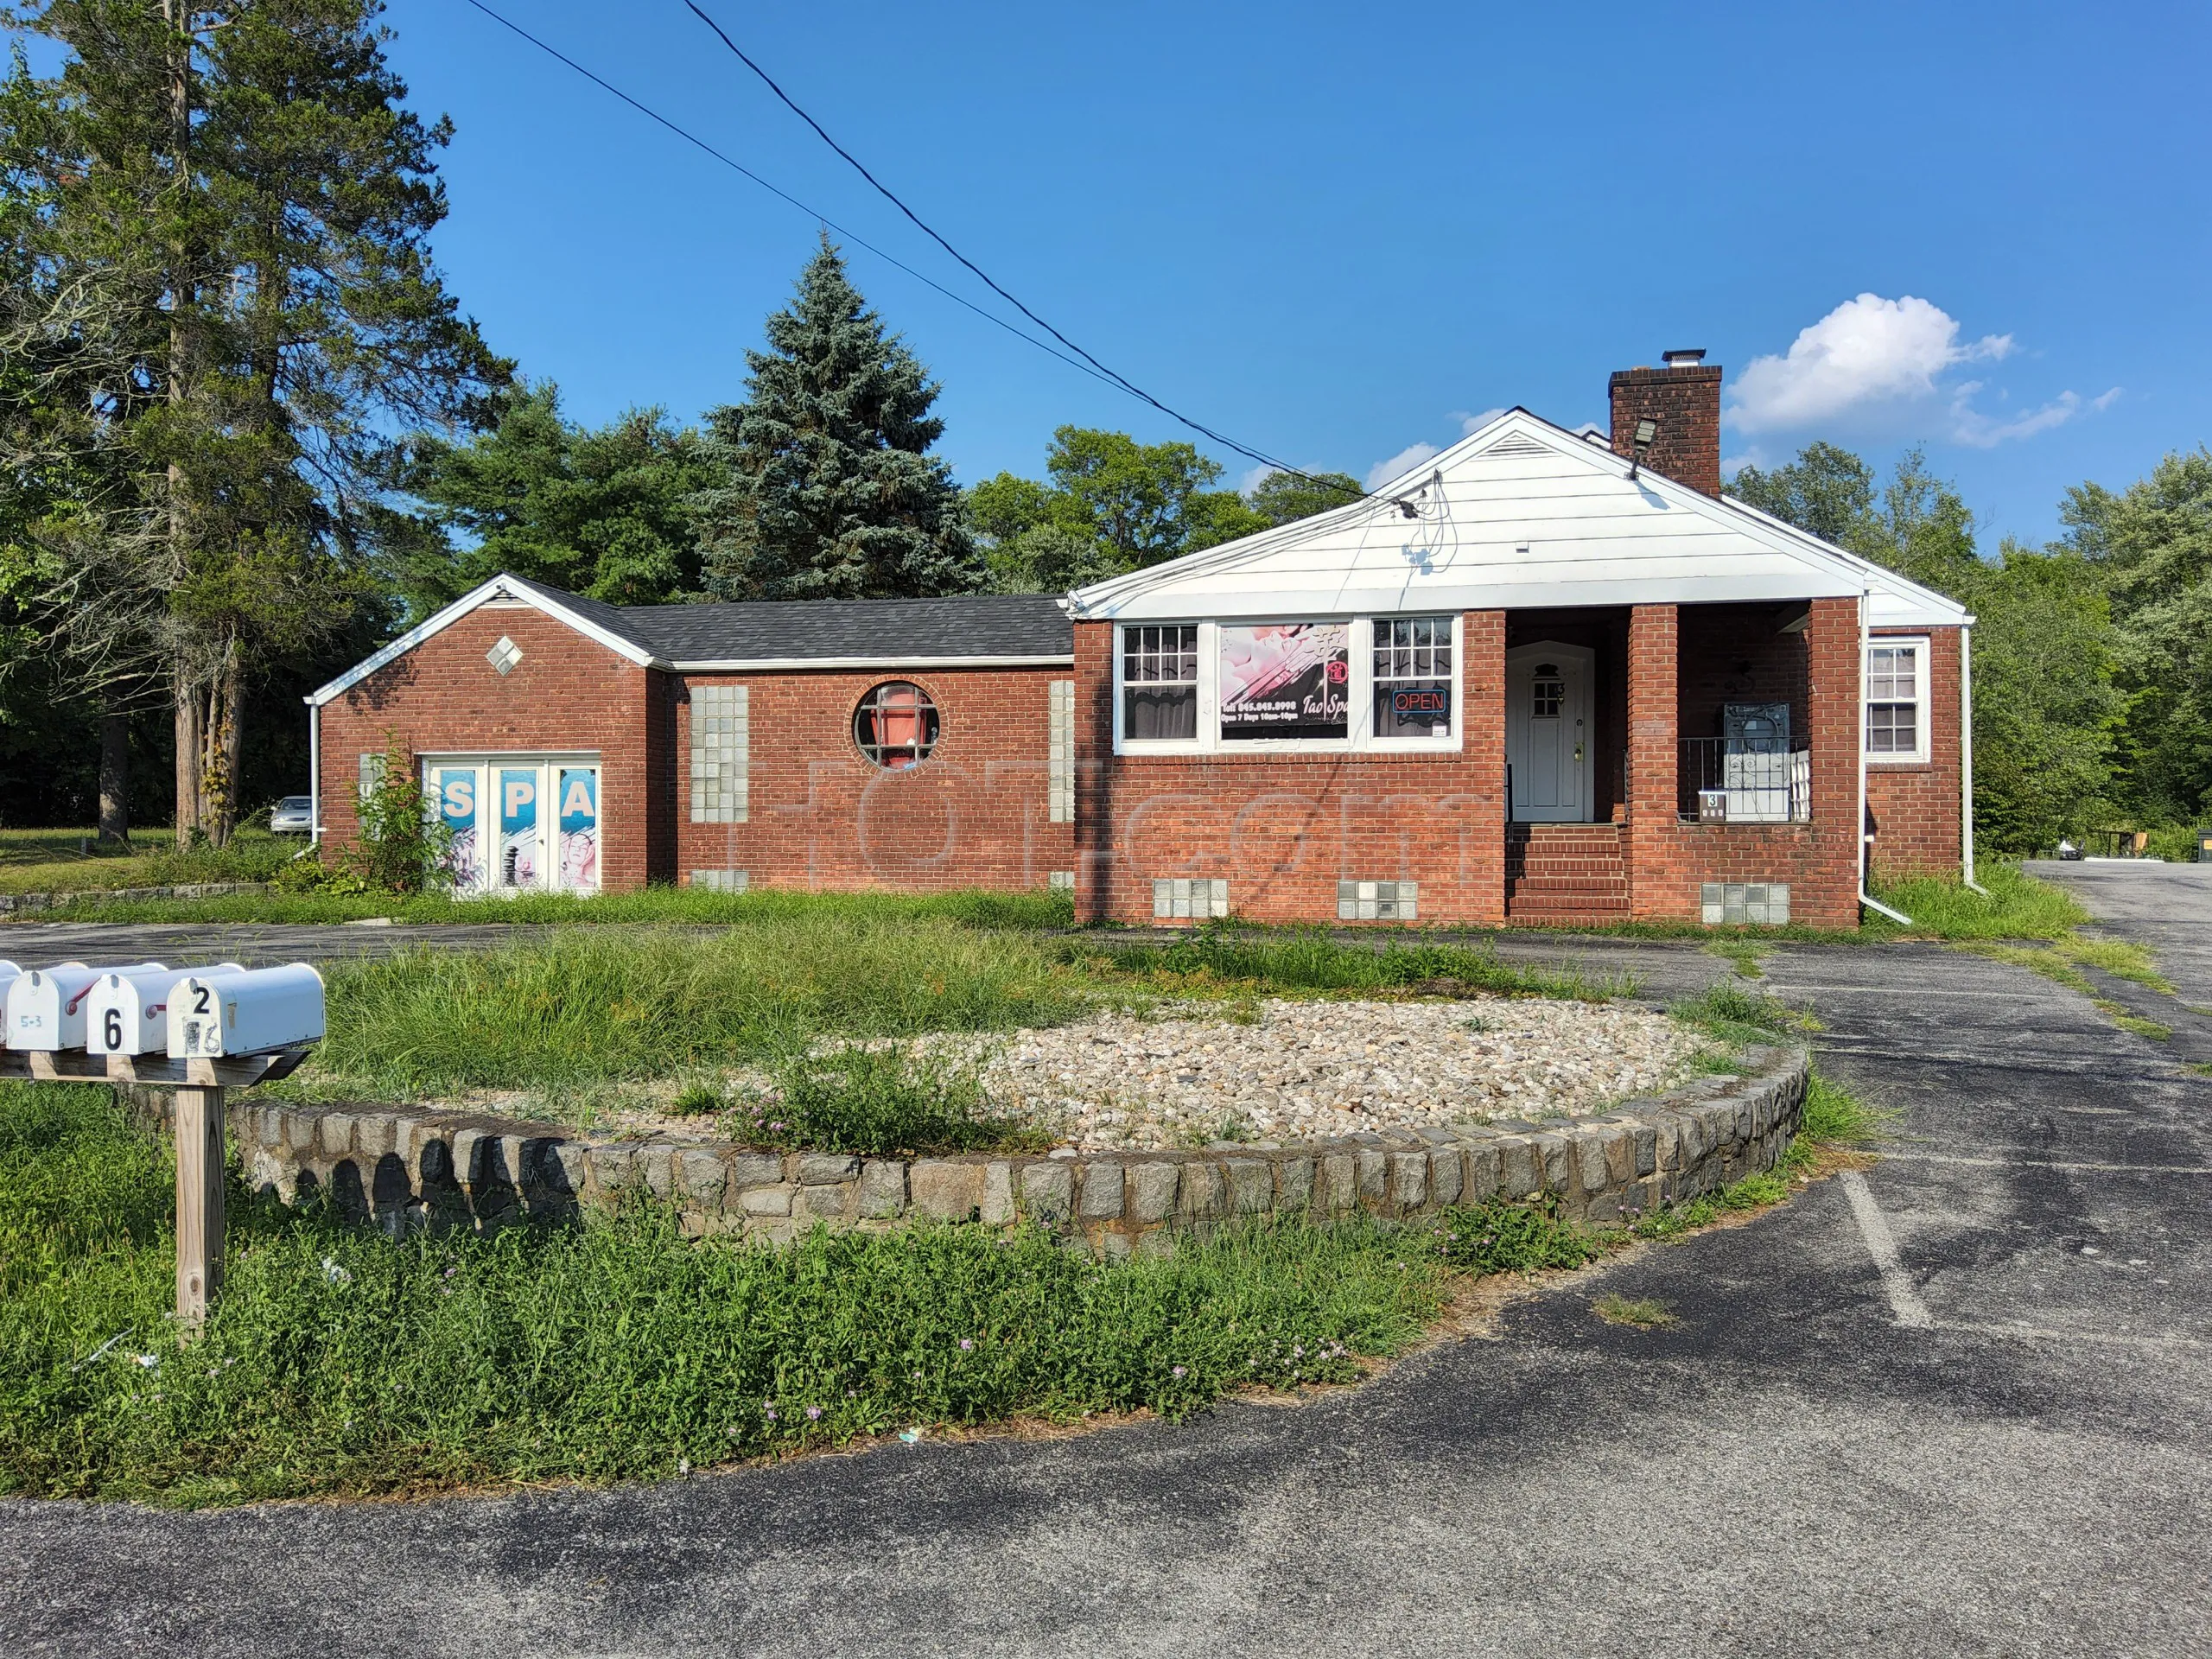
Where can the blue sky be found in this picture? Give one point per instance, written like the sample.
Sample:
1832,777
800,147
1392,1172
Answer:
1335,232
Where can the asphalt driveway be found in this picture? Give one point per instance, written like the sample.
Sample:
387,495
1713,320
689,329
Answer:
1959,1405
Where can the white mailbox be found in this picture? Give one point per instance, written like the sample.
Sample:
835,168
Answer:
10,973
251,1011
46,1006
128,1011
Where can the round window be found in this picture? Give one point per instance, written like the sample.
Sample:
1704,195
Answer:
896,725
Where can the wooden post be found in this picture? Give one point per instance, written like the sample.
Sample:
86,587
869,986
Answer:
198,1205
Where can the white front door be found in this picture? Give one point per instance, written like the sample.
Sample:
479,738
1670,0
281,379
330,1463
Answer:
1547,733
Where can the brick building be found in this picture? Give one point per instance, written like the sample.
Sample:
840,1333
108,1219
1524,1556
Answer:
1545,677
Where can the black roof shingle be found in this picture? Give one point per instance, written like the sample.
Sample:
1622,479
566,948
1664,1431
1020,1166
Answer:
886,630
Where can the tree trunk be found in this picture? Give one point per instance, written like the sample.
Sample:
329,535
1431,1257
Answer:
191,743
114,778
226,736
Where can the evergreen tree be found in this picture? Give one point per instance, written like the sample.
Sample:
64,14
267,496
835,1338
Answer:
832,492
605,512
229,249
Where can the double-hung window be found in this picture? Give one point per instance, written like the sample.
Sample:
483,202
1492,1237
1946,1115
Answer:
1159,681
1412,676
1896,700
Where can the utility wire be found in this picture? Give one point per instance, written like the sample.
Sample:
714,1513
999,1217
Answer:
694,139
1126,384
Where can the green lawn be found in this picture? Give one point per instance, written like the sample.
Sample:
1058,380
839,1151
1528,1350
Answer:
56,861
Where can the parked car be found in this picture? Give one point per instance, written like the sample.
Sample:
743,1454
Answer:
293,815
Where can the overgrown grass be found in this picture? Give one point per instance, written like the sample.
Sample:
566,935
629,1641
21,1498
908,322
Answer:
582,1007
1735,1014
1645,1313
2016,906
1309,959
66,861
341,1362
1044,907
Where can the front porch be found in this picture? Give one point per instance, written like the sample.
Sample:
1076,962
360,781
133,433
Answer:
1663,761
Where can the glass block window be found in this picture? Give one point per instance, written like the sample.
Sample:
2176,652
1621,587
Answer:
1061,878
896,725
1897,692
1413,676
1159,681
1744,904
720,881
371,774
504,656
1060,776
721,744
1198,898
1377,901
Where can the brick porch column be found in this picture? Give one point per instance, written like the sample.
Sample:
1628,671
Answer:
1482,855
1831,898
1658,886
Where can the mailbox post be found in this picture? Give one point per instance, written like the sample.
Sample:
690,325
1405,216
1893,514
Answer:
256,1026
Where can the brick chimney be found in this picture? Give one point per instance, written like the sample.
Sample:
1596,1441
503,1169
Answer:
1682,401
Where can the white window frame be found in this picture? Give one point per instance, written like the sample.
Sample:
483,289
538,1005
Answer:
1923,700
1360,713
487,764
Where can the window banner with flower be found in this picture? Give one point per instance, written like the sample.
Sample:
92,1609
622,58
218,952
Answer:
1285,680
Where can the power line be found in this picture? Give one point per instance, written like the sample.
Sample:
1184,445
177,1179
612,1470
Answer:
692,138
1125,384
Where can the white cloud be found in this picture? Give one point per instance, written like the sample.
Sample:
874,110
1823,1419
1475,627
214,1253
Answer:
2105,400
1971,427
1404,461
1731,465
1257,476
1471,425
1867,352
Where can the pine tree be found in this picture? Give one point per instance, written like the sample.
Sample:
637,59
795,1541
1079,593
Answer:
833,494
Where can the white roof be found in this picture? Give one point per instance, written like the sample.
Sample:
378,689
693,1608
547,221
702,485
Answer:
1519,514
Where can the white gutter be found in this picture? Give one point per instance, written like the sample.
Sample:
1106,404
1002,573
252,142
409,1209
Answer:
1866,898
1966,761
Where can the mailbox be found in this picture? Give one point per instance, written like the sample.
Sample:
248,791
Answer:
46,1006
127,1012
9,974
221,1013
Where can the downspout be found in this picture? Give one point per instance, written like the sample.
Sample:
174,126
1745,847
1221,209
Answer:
314,774
1966,761
1859,714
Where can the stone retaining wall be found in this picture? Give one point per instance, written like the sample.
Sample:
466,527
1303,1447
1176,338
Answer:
12,902
405,1169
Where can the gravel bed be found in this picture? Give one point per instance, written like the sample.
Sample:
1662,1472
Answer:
1302,1071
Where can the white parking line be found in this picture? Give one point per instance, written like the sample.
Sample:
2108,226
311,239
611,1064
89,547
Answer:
1874,1227
2044,1163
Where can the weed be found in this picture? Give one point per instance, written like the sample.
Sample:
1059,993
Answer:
1736,1013
2201,1068
1644,1313
696,1101
1834,1116
1503,1236
1743,954
2126,1021
2016,906
341,1361
880,1103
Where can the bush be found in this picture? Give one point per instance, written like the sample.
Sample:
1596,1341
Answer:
1500,1235
403,843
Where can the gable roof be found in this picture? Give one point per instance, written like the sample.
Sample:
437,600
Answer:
1521,514
977,630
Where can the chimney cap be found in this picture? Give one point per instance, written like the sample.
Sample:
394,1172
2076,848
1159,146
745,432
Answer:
1685,358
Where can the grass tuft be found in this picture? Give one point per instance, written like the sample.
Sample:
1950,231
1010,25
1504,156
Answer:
1645,1314
1506,1237
881,1103
2017,906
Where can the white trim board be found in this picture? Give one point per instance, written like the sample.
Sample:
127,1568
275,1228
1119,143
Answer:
874,665
501,587
1519,515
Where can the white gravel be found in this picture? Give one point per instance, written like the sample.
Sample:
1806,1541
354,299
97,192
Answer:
1299,1071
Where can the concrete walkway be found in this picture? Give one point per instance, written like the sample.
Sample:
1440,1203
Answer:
1960,1405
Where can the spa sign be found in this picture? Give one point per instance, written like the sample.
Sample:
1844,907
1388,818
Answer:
1284,680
